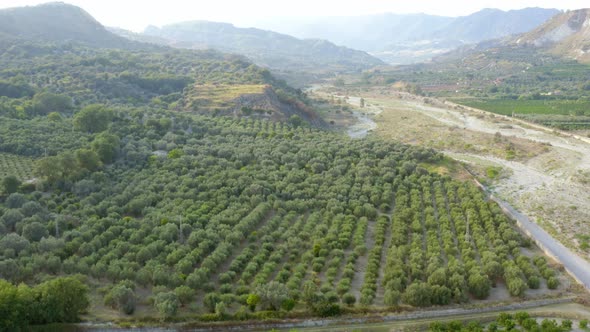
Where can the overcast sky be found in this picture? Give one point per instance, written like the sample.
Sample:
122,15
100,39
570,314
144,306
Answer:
137,14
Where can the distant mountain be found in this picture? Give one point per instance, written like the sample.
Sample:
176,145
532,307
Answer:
567,34
494,23
265,48
410,38
371,33
57,22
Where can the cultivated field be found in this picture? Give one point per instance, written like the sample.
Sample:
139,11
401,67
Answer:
543,173
561,114
19,166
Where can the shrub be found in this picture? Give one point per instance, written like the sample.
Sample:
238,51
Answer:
167,304
552,283
121,297
349,299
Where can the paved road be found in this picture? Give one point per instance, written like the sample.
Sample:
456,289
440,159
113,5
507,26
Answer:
576,266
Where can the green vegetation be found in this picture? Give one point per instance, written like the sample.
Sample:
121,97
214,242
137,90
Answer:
519,81
15,165
559,113
94,83
89,76
205,218
520,321
212,97
171,208
60,300
526,107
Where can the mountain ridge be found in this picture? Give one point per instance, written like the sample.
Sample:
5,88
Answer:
57,22
491,23
411,38
567,34
267,48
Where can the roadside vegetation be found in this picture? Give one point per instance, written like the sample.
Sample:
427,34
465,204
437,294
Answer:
520,321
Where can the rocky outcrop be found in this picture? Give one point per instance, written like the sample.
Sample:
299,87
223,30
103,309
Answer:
567,34
270,105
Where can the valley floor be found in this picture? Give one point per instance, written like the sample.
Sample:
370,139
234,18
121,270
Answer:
542,172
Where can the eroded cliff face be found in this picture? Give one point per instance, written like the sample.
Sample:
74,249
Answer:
567,34
269,104
256,101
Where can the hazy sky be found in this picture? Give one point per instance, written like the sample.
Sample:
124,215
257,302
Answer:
137,14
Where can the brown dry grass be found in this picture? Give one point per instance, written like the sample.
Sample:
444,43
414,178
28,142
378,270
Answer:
400,122
211,96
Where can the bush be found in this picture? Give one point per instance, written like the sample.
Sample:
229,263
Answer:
220,309
349,299
167,304
552,283
252,301
391,297
288,304
272,295
185,294
93,118
328,309
534,282
121,297
15,200
10,184
210,301
209,317
61,300
418,294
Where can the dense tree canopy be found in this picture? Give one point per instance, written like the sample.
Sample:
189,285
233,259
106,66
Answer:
60,300
93,118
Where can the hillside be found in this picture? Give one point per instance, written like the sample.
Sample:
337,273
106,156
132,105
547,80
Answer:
411,38
101,67
57,22
165,77
494,23
567,34
265,48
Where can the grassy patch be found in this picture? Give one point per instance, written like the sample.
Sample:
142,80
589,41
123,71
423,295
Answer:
584,240
210,96
493,172
447,166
